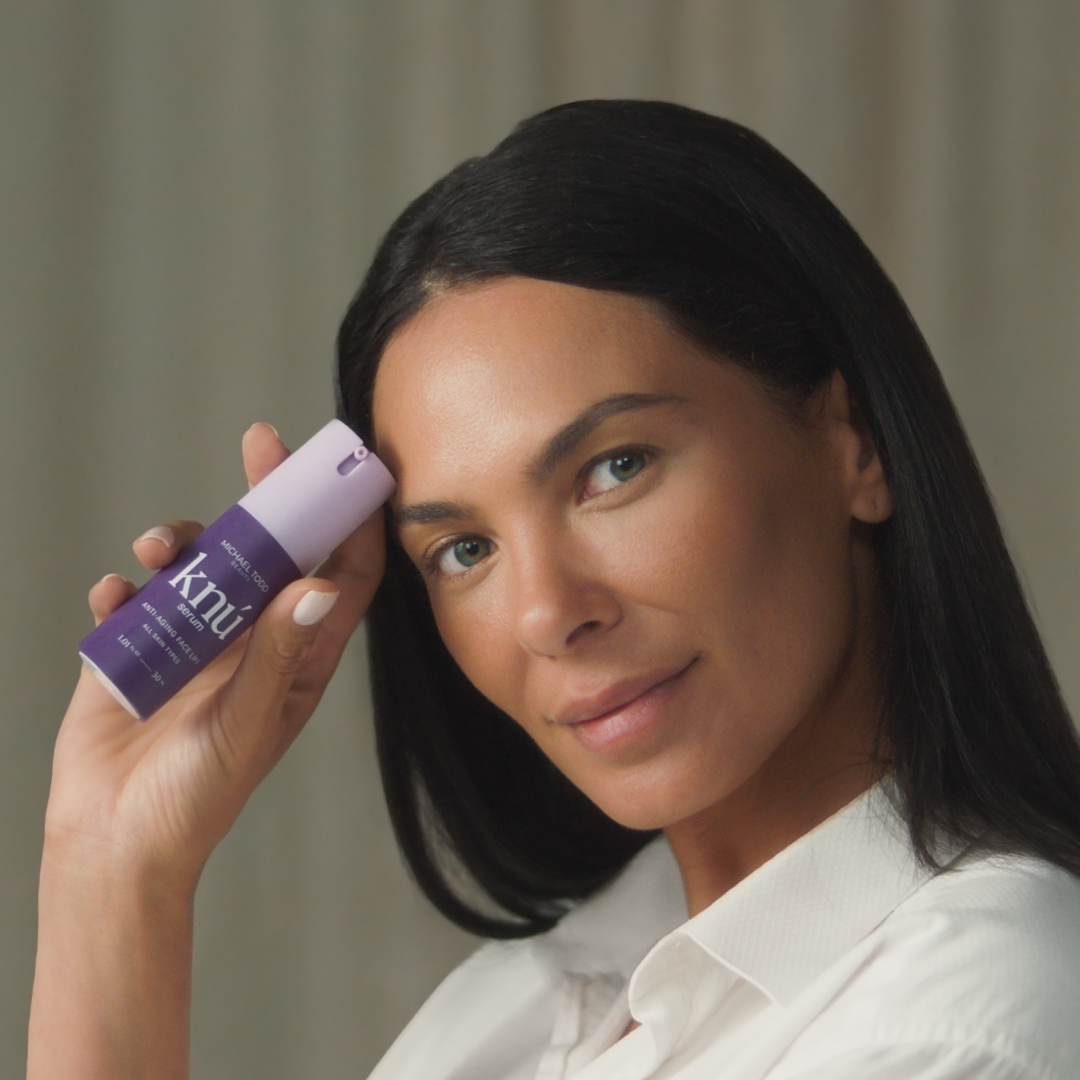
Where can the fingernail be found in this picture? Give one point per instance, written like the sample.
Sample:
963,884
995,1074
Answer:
161,533
119,577
263,423
313,607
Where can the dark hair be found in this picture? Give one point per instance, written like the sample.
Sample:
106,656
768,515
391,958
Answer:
747,257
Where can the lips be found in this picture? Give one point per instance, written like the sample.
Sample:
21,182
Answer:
621,709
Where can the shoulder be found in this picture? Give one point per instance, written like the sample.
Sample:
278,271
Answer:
465,1026
498,1007
985,957
1016,918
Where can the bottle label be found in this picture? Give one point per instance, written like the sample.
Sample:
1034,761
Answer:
188,613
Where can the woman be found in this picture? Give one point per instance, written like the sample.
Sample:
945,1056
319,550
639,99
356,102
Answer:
687,538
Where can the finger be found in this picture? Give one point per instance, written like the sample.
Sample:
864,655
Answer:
157,547
107,595
356,567
263,451
281,640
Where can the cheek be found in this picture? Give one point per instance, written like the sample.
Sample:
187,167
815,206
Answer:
478,634
757,571
781,598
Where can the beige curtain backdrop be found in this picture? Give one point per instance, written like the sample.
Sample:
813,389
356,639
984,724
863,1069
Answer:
189,194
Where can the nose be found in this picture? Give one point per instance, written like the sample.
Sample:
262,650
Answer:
560,602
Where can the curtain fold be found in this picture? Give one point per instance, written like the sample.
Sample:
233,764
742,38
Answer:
189,195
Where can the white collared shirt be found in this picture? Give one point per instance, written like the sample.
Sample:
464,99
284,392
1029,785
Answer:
842,958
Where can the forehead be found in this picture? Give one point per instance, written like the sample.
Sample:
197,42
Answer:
503,362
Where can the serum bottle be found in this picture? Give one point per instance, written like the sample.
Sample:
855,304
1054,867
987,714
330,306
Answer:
189,612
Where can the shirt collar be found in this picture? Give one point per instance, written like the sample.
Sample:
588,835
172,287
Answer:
779,928
783,925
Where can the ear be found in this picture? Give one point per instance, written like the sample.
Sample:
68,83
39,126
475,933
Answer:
862,474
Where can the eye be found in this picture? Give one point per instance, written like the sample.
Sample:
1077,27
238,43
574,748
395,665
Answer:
614,470
462,555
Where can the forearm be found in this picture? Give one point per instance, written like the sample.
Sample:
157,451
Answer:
112,986
112,989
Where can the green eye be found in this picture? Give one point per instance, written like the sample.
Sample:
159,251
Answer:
626,465
463,555
615,470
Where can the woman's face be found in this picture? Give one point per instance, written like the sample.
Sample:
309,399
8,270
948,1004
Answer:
631,549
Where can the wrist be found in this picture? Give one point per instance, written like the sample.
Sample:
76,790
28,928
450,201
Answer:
113,977
83,861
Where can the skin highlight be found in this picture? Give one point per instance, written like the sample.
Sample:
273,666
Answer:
635,552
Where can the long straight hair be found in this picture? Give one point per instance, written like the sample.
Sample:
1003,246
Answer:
748,258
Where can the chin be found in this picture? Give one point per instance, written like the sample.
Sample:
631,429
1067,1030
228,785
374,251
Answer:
665,794
648,808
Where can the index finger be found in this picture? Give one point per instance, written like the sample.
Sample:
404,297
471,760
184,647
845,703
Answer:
356,568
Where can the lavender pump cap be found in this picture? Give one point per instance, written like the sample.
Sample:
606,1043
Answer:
189,612
320,494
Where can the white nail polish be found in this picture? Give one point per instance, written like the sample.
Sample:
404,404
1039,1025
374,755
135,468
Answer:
313,607
161,533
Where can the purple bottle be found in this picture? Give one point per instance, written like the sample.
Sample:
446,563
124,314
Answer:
186,614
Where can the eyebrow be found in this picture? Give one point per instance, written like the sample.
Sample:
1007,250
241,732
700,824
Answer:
567,439
563,443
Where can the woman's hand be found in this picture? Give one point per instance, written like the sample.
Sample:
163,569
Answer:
166,791
135,809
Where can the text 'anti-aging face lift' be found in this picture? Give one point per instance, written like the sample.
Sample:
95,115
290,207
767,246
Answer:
187,614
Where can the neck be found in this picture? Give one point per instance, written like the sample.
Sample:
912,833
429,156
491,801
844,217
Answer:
719,847
822,765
